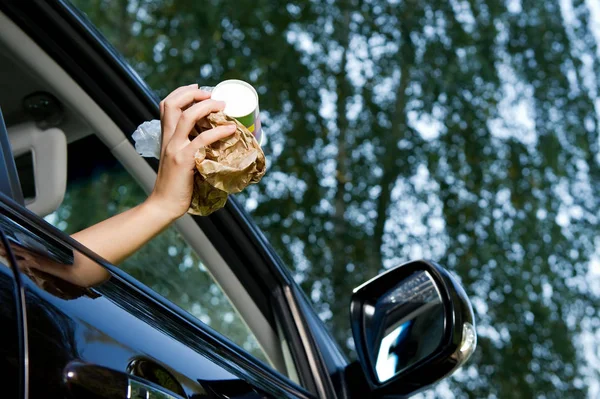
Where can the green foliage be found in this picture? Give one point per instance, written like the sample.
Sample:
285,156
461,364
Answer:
465,131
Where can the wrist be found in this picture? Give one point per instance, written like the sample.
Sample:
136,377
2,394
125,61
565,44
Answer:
160,212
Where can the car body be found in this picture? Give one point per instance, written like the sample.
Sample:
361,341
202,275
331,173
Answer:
61,339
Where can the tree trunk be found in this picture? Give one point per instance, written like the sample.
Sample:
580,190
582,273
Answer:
391,170
343,92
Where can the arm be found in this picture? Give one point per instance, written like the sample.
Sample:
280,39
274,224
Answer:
115,239
120,236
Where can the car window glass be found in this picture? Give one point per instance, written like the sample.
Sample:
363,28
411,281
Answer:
98,188
460,131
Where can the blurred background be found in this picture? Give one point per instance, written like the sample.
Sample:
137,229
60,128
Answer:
463,131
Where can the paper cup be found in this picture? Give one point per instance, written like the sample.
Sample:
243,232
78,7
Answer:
241,103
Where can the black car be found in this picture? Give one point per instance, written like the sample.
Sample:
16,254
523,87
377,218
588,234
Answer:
70,104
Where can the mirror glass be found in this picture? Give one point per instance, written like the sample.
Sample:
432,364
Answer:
407,324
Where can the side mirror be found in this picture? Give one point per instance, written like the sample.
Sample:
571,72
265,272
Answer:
413,326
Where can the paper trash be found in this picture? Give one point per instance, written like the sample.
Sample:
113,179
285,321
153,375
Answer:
225,167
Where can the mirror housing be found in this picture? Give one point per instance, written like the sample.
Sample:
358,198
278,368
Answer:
413,326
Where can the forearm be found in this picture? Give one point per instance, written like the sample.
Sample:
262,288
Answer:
117,238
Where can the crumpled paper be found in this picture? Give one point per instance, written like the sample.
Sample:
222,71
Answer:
225,167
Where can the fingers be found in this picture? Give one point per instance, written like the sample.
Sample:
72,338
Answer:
171,107
210,136
178,90
182,97
175,92
192,115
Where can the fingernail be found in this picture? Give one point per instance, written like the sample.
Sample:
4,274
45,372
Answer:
233,127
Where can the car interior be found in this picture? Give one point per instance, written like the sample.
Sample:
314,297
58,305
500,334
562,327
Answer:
59,134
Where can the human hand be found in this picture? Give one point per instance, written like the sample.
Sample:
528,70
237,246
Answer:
172,191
